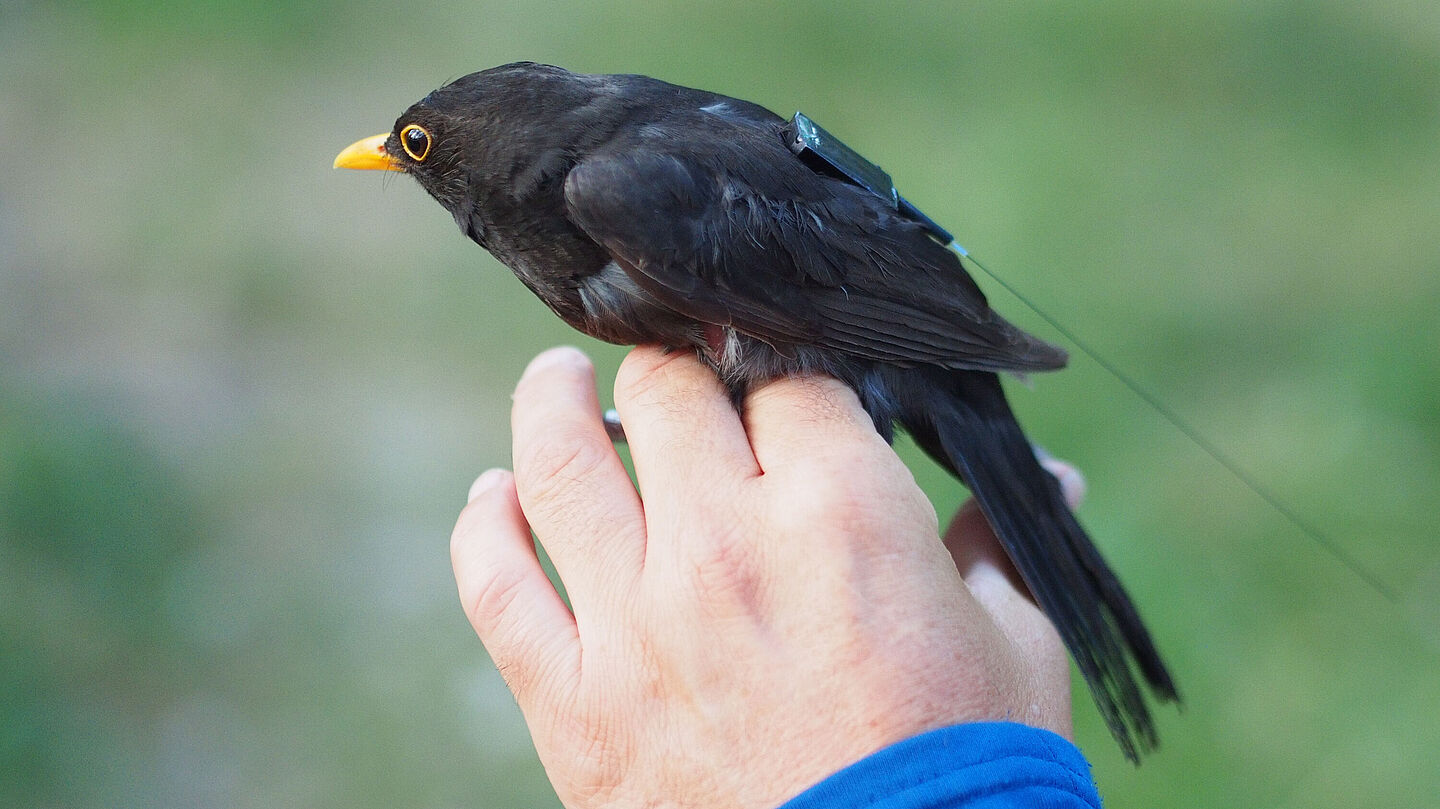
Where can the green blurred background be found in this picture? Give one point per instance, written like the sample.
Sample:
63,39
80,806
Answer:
242,395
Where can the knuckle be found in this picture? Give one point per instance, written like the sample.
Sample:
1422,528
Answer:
822,402
726,569
829,400
850,487
856,510
605,759
562,497
828,498
496,593
552,462
490,612
646,374
517,677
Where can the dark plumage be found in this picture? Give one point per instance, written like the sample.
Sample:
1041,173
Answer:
643,212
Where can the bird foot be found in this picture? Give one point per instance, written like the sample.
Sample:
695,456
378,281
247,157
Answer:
613,428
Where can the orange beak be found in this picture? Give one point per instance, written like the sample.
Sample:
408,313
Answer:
367,154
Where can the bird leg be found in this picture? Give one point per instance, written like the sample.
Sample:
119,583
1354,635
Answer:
613,428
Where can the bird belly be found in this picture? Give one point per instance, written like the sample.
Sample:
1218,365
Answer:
613,308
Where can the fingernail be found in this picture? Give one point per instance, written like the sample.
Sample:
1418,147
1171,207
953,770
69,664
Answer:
484,483
561,355
1072,483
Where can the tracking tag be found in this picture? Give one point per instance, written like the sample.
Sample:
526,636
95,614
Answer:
825,153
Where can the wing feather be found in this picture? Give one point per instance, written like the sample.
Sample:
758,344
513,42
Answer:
803,260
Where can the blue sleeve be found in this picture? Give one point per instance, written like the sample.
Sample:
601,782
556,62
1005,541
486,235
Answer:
986,765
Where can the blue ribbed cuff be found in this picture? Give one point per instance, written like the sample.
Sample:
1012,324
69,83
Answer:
985,765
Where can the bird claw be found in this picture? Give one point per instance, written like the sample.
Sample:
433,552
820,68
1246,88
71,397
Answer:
613,428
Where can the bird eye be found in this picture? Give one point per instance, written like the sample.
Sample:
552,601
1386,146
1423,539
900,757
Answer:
416,142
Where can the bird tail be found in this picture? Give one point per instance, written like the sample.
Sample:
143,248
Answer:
968,426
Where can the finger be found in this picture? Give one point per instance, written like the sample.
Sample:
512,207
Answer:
522,621
979,556
812,421
976,549
1072,483
680,422
997,586
572,486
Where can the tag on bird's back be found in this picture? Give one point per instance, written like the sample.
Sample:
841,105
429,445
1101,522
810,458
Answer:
826,154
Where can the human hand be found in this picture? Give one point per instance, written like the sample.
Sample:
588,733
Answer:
778,606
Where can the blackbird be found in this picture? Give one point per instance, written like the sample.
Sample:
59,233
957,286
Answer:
644,212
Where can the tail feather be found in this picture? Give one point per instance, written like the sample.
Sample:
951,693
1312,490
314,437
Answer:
965,422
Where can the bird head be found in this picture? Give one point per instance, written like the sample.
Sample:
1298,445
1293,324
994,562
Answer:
501,131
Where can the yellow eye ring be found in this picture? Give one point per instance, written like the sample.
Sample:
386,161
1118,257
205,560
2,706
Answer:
416,142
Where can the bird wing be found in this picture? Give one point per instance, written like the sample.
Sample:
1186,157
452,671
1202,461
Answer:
792,258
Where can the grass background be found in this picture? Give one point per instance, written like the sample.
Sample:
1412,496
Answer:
242,395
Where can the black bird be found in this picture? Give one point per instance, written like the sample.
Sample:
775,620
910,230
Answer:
644,212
